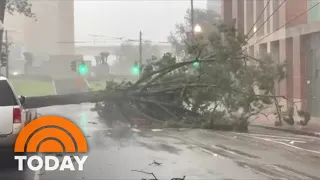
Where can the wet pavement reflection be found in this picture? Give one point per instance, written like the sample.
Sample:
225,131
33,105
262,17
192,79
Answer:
9,167
126,153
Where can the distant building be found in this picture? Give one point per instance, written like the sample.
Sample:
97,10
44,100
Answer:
89,52
214,5
54,26
51,34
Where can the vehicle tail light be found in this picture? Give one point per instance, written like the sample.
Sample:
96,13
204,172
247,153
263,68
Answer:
16,115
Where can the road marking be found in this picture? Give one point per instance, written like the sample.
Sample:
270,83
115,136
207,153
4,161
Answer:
279,136
135,130
289,145
86,81
54,87
231,152
286,140
207,151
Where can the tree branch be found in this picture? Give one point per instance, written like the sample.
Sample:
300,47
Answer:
169,68
155,178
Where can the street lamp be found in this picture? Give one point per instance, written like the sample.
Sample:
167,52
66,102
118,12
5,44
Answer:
192,18
197,28
254,28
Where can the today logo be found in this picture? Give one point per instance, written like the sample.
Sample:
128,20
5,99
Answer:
51,134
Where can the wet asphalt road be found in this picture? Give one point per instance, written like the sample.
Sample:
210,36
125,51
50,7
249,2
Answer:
196,154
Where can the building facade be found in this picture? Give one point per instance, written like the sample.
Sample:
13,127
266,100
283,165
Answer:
47,34
288,30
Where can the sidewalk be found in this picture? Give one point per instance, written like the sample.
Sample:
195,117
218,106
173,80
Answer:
311,129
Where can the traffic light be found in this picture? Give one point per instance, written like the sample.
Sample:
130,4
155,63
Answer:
83,69
73,66
135,69
4,59
196,65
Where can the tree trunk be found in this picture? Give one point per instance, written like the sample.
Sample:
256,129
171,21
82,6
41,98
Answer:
76,98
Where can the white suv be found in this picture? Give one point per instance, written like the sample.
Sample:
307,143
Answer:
13,117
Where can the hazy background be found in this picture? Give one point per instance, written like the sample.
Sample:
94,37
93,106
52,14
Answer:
123,18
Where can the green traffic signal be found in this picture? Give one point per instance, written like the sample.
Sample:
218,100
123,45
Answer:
83,69
196,64
135,70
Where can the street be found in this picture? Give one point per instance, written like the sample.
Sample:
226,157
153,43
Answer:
215,64
196,154
124,153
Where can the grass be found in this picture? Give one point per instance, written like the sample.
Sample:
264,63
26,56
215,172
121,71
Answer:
33,87
97,85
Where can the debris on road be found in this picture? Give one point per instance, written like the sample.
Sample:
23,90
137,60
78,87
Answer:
155,178
156,163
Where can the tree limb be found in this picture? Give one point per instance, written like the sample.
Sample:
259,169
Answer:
155,178
169,68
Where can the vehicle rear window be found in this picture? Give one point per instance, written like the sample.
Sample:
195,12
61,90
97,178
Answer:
7,97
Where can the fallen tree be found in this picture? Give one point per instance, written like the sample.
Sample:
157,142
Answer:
214,84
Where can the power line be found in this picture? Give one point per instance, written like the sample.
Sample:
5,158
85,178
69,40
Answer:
129,39
258,18
267,19
105,41
296,17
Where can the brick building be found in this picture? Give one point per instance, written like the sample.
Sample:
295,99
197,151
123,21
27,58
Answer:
291,33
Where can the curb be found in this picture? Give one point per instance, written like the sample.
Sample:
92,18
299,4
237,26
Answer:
292,131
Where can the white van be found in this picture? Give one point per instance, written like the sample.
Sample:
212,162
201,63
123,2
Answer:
13,117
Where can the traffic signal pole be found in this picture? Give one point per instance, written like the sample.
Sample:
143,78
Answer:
140,52
192,18
7,51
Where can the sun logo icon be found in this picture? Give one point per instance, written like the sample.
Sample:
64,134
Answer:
51,134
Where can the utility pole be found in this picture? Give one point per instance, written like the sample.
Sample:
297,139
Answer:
7,51
2,14
192,18
140,52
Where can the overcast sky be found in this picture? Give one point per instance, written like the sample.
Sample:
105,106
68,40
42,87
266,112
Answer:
124,18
